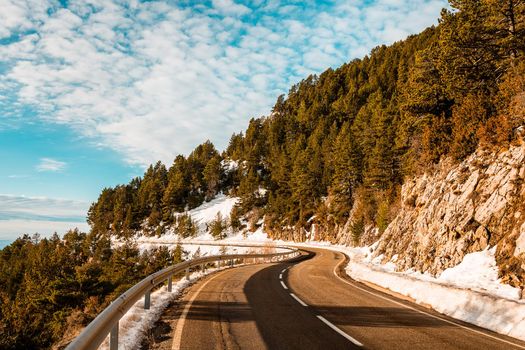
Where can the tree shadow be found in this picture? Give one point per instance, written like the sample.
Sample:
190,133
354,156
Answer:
284,324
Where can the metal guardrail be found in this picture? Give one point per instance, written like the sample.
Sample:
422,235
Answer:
107,322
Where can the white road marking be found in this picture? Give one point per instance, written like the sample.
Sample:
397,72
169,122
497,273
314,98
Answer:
284,270
298,300
331,325
177,335
420,311
281,276
338,330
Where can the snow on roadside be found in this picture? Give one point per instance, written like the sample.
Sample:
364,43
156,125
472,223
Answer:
470,291
479,271
134,325
501,315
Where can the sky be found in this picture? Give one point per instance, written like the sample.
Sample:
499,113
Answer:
91,92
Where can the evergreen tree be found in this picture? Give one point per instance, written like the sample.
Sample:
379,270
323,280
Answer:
212,176
348,168
218,226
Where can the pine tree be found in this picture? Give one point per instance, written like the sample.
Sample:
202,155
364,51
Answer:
213,173
178,253
235,219
217,227
175,195
185,226
347,170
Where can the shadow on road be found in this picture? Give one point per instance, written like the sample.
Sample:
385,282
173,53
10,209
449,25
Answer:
352,316
284,324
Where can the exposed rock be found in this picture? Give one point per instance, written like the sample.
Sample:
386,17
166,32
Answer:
459,209
520,242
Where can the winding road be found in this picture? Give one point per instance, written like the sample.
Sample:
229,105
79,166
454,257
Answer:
308,304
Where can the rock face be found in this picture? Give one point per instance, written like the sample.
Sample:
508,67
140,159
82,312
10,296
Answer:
462,208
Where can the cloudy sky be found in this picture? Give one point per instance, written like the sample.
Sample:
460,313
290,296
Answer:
92,91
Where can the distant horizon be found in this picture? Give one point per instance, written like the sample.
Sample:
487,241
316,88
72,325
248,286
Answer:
43,228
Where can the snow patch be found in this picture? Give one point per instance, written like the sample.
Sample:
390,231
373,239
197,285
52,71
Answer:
202,215
479,271
207,212
498,314
230,165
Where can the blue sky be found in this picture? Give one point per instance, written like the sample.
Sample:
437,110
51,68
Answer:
93,91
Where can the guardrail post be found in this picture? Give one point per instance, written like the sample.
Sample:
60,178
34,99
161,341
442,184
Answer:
101,328
113,337
147,300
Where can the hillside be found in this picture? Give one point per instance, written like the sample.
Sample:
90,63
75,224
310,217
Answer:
461,208
344,154
415,149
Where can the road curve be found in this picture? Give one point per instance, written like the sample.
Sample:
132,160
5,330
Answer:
308,305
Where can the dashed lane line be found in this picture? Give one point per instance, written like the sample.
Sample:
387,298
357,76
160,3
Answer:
328,323
298,300
338,330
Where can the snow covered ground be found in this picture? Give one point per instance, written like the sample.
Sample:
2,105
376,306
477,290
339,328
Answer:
134,325
204,243
203,215
470,291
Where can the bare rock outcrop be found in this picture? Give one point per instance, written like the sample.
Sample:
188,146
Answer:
462,208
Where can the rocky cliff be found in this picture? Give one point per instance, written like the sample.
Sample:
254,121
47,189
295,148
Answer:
457,209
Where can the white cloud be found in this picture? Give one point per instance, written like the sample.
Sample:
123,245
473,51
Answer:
229,7
12,16
17,176
151,80
48,164
20,214
33,207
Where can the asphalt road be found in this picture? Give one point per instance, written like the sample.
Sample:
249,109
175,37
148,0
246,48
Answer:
308,305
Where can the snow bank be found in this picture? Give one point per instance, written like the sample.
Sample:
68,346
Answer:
479,271
134,325
470,291
501,315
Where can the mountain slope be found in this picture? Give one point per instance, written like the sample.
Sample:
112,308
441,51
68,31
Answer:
462,208
383,148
